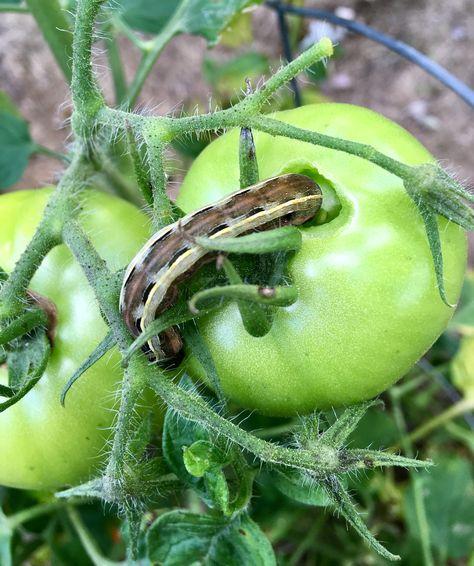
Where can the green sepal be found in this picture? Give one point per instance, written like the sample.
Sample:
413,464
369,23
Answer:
287,238
344,505
23,324
434,192
256,318
279,296
247,159
107,344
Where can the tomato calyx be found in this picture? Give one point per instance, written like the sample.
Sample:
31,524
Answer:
435,193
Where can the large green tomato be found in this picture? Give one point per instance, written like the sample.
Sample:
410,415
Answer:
42,444
368,304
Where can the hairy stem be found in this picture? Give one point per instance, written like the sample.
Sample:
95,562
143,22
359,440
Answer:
86,96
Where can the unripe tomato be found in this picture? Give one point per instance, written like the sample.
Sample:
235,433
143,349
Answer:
368,304
42,444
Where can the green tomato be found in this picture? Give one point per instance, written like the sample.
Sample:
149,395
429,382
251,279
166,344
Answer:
368,304
42,444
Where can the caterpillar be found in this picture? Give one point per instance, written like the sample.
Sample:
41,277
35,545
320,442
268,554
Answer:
150,284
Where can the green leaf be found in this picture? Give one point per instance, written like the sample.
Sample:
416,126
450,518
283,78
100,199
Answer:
207,18
26,365
295,486
179,538
201,457
449,501
178,434
198,461
25,323
15,148
147,15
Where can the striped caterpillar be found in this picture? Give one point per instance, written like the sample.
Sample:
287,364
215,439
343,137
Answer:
170,256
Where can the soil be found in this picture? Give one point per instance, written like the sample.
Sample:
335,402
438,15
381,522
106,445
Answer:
365,73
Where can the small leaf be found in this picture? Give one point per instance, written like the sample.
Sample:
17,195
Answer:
208,18
23,324
16,147
147,15
179,538
295,486
198,461
26,365
201,457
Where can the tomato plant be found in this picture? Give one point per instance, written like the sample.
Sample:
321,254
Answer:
368,304
43,444
369,290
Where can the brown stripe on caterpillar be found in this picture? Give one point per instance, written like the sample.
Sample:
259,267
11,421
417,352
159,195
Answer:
150,284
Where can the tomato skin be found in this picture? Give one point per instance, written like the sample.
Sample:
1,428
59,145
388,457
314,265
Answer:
42,444
368,304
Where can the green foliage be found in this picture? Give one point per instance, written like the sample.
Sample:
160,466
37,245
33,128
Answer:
448,491
179,538
16,145
213,470
197,17
147,15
